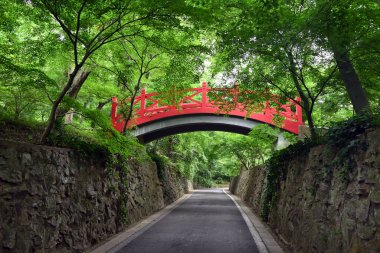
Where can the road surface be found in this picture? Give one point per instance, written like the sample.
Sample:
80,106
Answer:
208,222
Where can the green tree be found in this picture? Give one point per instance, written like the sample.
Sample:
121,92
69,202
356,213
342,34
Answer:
345,27
286,46
89,25
270,50
254,149
25,87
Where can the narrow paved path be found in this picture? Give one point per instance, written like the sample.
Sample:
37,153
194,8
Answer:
206,222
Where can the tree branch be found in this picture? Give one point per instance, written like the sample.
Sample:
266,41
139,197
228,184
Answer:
76,36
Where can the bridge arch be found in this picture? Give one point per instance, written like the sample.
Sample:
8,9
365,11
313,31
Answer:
196,111
191,123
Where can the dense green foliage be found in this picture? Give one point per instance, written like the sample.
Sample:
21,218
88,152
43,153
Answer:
212,158
62,61
197,156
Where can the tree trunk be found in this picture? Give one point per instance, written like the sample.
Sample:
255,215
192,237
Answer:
78,83
242,160
351,80
73,93
137,87
310,121
305,100
56,103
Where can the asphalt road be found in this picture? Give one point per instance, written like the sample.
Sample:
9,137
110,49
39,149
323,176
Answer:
206,222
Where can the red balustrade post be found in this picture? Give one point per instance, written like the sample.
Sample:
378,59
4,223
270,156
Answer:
142,102
204,94
236,93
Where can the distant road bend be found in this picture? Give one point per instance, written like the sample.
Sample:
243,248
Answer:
207,222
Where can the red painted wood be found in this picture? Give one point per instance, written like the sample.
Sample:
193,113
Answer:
190,105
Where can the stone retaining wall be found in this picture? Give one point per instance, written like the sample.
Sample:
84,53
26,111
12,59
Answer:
57,200
173,185
249,186
329,200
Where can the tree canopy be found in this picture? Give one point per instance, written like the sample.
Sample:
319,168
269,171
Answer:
61,62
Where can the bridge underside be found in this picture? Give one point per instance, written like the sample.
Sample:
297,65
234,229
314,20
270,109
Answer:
190,123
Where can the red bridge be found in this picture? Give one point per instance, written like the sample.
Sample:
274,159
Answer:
201,108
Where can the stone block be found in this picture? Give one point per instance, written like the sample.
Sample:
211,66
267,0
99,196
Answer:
374,196
362,210
372,177
377,215
26,159
10,175
366,231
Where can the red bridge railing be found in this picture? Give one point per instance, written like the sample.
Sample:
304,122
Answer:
205,100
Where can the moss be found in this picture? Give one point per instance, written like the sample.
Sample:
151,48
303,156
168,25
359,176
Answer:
313,190
123,211
340,134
